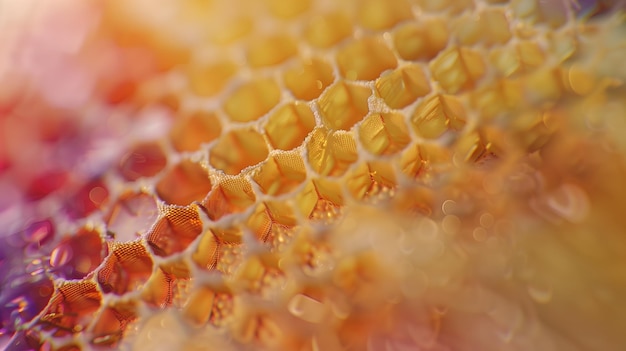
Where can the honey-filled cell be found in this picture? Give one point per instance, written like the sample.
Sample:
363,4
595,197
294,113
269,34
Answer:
183,184
237,150
289,125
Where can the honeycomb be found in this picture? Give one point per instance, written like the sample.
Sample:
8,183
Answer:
312,175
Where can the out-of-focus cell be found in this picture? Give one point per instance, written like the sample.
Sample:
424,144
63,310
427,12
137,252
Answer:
328,29
183,184
237,150
46,183
489,26
144,160
343,105
175,230
252,100
384,133
126,269
383,14
524,57
420,161
457,68
131,216
421,40
87,199
288,9
191,131
281,173
71,308
78,255
110,325
451,6
438,114
320,199
39,232
271,50
289,125
370,179
23,300
267,217
542,85
306,308
403,86
230,29
232,195
365,59
330,153
307,80
496,98
200,306
209,79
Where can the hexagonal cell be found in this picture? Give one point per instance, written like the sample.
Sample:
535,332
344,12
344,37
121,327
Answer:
498,97
183,184
289,125
420,161
158,290
252,100
126,269
365,59
209,79
327,29
78,255
490,27
131,216
232,195
482,147
343,105
281,173
144,160
237,150
421,40
320,199
257,272
71,308
307,80
371,179
111,322
270,217
451,6
191,131
457,68
524,57
271,50
384,133
330,153
438,114
175,230
383,14
403,86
